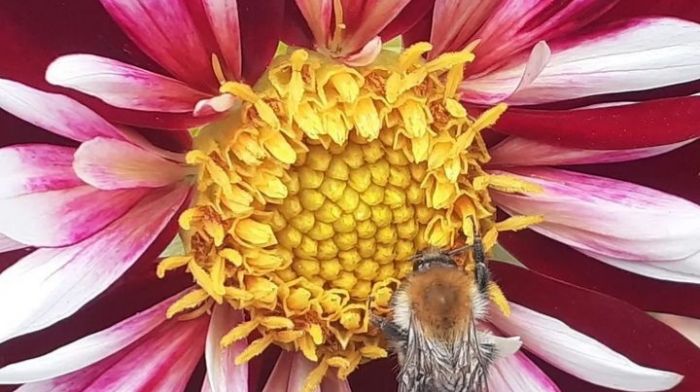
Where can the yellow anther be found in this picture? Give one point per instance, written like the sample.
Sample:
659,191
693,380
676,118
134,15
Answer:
515,223
351,320
171,263
188,301
239,332
276,322
330,269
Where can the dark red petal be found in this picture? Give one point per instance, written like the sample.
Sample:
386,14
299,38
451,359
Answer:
414,12
34,32
559,261
684,9
644,124
675,172
136,290
296,31
616,324
420,32
261,25
379,375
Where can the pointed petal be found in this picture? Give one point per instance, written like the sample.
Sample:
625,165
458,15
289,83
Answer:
165,30
455,21
223,374
610,322
643,54
261,25
518,373
122,85
7,244
112,164
88,350
545,256
366,19
223,18
610,217
318,15
36,168
54,112
160,361
519,151
580,355
52,284
645,124
63,217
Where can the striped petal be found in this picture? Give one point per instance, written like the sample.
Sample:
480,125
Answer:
54,112
222,372
65,216
580,355
519,151
609,217
518,373
686,270
643,54
223,18
365,20
318,15
163,360
290,374
122,85
88,350
51,284
113,164
36,168
166,31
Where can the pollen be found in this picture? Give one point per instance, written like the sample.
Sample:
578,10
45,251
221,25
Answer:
313,196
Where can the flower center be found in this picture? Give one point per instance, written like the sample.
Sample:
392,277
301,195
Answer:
313,197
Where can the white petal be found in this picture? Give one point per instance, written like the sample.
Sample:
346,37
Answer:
580,355
223,374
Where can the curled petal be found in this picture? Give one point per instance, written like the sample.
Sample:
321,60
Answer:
609,217
122,85
86,351
366,55
54,112
519,151
165,30
643,54
113,164
51,284
36,168
162,360
218,104
7,244
580,355
518,373
222,372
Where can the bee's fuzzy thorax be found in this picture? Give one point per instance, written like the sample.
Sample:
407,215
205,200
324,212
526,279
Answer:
440,298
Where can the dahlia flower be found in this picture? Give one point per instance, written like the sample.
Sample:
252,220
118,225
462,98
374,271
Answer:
294,155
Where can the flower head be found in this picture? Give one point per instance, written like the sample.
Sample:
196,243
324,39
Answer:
314,169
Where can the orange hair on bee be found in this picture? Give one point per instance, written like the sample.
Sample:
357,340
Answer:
441,301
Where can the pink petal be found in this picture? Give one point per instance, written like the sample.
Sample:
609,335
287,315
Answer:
36,168
686,326
518,373
519,151
8,244
644,54
113,164
580,355
54,112
610,217
223,18
122,85
63,217
318,15
88,350
290,373
51,284
163,360
455,22
365,19
218,104
516,25
165,30
366,55
223,374
685,270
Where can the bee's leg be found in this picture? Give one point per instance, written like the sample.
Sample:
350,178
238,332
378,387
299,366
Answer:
483,275
390,330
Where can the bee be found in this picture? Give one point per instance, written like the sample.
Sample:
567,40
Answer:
434,330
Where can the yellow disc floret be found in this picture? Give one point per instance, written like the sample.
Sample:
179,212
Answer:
314,195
